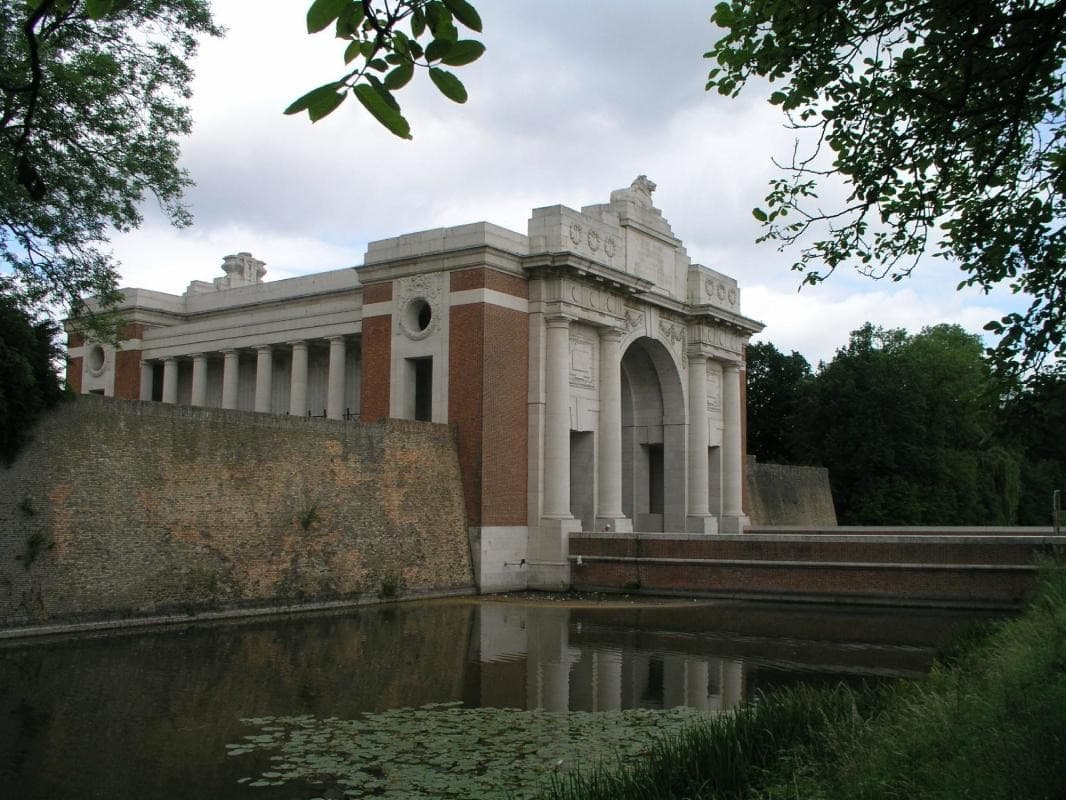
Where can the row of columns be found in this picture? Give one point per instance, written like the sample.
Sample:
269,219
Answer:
264,376
609,514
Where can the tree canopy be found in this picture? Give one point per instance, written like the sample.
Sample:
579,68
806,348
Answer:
776,383
914,429
95,95
28,380
944,122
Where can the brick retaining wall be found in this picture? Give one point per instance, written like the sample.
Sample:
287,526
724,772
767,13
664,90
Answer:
122,508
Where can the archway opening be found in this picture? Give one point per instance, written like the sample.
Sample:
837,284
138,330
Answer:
653,438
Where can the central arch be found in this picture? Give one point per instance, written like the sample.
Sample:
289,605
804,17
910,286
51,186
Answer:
653,438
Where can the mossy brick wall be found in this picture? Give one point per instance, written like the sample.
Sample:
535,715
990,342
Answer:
124,508
785,495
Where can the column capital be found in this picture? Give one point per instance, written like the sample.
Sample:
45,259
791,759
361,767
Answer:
261,348
610,334
697,357
229,351
559,319
340,337
297,343
730,366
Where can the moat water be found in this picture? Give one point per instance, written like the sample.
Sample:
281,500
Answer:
464,698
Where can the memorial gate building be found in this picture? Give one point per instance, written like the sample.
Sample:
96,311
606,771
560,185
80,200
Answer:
593,374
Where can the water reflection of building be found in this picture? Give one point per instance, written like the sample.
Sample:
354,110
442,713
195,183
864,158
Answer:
529,659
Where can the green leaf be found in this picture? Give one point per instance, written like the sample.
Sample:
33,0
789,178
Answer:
449,85
438,49
98,9
463,52
400,76
322,13
313,97
325,105
384,113
759,214
352,52
465,13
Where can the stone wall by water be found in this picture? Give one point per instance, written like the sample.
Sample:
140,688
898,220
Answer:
120,508
785,495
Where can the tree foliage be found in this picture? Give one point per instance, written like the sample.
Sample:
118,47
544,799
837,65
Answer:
907,426
776,385
28,380
945,121
95,95
386,43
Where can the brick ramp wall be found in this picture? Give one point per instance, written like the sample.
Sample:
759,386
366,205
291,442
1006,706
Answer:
122,508
920,570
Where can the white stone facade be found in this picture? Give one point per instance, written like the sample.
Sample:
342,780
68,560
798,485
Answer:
594,374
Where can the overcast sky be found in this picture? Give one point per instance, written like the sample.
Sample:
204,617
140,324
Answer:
571,100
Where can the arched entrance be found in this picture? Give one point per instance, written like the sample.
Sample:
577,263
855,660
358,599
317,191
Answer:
653,438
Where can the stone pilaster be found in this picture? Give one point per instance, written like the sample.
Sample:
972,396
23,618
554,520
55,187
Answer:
700,519
557,419
147,374
733,519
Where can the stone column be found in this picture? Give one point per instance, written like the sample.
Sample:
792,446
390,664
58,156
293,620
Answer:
335,395
733,519
147,373
298,380
230,376
609,514
264,377
549,568
557,419
170,380
199,380
699,515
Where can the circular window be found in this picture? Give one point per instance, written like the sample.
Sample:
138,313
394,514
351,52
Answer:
417,317
95,359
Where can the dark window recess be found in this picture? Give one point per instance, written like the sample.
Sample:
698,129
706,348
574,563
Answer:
157,382
655,479
423,389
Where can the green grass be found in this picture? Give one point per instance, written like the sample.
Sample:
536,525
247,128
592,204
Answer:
988,723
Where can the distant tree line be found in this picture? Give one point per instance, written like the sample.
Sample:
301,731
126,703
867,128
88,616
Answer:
914,429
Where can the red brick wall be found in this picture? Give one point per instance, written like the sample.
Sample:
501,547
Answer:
487,394
466,382
377,293
482,278
128,374
75,340
74,374
506,384
377,357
